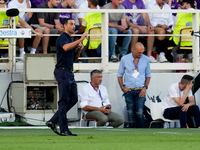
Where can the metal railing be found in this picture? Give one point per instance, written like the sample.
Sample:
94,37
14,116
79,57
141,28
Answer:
107,66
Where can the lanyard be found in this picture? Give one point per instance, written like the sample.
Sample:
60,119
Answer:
136,66
98,93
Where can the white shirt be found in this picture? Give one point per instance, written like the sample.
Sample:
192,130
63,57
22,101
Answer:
16,4
173,91
159,18
89,96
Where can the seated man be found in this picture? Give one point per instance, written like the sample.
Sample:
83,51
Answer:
134,21
89,20
49,23
117,25
35,3
21,4
95,103
174,103
4,21
66,4
162,23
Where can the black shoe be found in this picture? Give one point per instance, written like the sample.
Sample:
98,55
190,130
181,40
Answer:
67,133
53,127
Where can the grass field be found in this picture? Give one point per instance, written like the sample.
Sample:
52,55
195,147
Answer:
101,139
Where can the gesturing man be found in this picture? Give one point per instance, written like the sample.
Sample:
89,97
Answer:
66,55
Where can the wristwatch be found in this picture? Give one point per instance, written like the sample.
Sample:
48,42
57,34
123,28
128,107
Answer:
159,25
146,87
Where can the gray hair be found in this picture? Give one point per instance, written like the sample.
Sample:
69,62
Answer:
93,72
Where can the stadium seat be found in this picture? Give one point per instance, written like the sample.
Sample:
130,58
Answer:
157,116
180,48
91,46
87,120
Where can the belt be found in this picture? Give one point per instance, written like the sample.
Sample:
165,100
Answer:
137,88
63,68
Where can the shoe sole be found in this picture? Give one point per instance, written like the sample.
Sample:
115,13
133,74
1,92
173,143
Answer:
54,130
69,135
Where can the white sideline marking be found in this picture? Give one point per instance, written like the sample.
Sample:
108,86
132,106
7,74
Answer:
38,127
113,129
168,132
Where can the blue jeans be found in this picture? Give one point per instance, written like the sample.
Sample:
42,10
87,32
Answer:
135,108
113,39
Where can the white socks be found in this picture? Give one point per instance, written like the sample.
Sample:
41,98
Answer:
22,52
33,50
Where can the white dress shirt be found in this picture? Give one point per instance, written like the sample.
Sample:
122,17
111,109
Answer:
173,92
159,18
89,96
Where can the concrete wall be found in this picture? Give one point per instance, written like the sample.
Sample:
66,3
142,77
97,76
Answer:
158,87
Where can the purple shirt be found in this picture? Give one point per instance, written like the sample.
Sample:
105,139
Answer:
35,3
175,5
198,4
134,17
63,16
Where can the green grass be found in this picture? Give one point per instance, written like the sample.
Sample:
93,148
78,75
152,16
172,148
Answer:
101,139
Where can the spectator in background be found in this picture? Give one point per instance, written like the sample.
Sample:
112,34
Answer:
174,4
81,4
117,25
182,20
89,20
35,3
4,21
95,102
49,23
134,21
103,2
21,4
66,4
162,23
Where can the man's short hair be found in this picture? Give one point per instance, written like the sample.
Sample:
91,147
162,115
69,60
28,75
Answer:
186,79
191,2
93,72
94,2
66,20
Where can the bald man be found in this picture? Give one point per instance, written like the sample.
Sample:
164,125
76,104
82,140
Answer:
134,76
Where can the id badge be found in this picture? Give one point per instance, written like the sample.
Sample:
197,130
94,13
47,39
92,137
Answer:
135,73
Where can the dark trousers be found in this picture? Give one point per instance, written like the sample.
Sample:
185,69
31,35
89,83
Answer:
177,113
195,88
67,97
